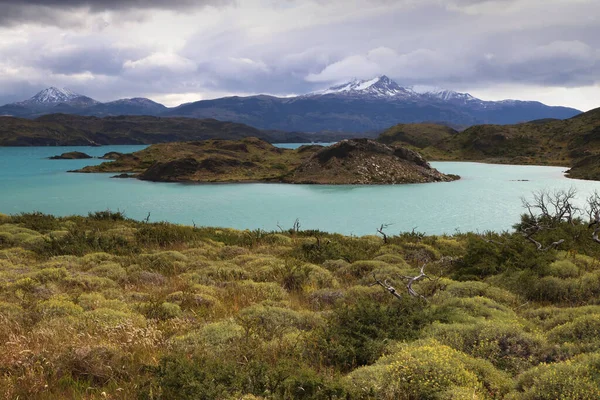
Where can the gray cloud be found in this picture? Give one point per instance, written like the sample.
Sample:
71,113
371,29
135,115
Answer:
59,12
115,4
294,46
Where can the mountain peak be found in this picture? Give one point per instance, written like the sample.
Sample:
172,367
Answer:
54,95
380,87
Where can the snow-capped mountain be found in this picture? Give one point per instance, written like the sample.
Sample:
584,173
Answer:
355,106
53,96
450,95
383,87
379,87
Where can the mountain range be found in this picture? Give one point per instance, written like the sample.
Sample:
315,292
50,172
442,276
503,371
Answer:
355,106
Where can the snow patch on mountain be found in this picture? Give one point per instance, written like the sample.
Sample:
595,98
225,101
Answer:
379,87
54,95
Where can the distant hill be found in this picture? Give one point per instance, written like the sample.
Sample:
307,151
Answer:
73,130
353,107
573,142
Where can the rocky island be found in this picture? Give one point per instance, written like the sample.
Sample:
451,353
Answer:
72,155
353,161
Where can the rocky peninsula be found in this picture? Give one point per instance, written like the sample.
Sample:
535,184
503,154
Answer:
353,161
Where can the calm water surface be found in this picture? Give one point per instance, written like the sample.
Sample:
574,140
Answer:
486,198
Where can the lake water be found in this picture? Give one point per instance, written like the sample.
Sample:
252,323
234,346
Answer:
488,197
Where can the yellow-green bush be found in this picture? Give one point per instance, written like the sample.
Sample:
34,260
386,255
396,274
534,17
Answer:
563,269
505,344
482,289
59,306
578,378
583,331
466,309
110,270
427,370
551,317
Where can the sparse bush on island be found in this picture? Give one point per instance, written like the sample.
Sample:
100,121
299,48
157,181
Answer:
106,304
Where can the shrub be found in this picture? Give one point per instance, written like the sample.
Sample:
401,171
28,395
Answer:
506,345
270,322
357,330
107,216
583,330
563,269
110,270
578,378
550,317
427,370
244,293
467,309
37,221
165,262
481,289
50,275
215,337
160,310
59,306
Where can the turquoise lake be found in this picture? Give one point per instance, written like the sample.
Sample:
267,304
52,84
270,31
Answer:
488,197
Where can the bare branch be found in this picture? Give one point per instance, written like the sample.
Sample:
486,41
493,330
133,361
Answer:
382,233
413,279
387,287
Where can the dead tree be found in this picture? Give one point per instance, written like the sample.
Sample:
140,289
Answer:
410,280
386,286
413,279
546,212
594,213
296,226
553,207
382,233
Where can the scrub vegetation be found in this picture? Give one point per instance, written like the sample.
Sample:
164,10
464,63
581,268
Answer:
105,307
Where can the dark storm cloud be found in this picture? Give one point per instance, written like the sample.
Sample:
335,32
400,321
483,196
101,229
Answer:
115,4
59,12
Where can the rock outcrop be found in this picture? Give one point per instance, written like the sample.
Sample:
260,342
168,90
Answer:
365,161
72,155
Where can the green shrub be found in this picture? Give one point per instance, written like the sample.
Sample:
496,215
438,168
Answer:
583,330
578,378
107,216
160,310
505,344
59,306
50,275
357,330
563,269
481,289
427,370
110,270
215,337
270,322
166,262
551,317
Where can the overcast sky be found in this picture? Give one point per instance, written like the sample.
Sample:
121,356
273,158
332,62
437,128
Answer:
175,51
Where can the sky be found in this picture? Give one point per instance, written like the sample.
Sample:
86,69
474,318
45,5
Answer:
177,51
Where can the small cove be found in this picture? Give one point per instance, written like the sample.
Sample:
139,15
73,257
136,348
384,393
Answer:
488,197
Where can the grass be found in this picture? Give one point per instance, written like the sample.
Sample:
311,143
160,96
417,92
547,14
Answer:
104,307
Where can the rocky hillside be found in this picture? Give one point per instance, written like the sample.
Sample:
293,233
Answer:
74,130
574,142
364,161
355,161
